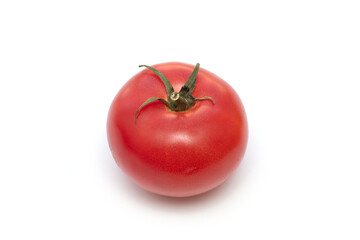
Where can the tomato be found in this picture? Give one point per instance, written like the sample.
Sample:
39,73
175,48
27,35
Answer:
177,130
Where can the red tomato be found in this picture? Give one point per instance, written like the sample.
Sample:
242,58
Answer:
182,151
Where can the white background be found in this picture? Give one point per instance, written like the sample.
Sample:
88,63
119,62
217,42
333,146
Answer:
295,65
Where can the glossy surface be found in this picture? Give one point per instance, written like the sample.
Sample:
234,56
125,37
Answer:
177,153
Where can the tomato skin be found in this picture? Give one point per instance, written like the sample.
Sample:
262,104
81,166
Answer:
171,153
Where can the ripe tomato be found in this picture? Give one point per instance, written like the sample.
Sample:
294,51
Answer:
177,143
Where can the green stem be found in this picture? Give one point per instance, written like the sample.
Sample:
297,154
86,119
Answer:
190,83
176,101
168,86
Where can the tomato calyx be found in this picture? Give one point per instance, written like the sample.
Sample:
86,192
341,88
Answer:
176,101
